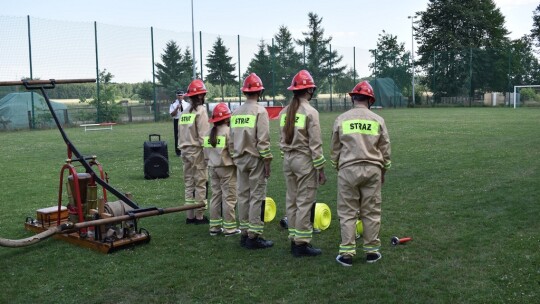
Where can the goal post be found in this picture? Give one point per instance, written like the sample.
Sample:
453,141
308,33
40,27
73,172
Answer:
523,86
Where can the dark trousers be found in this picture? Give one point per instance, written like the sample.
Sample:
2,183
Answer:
175,126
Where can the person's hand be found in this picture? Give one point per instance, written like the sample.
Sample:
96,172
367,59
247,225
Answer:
267,168
322,177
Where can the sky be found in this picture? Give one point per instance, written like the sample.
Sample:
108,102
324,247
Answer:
350,23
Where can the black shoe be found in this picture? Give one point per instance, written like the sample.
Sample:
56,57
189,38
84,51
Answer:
191,221
344,260
243,239
284,223
372,257
305,249
258,243
202,221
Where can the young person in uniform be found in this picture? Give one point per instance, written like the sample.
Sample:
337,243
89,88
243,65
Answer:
222,173
174,110
250,149
303,162
361,154
193,126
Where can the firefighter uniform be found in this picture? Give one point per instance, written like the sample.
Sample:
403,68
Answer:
250,146
192,128
302,159
222,173
360,153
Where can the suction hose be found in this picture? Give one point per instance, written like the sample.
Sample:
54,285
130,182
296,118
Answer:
71,227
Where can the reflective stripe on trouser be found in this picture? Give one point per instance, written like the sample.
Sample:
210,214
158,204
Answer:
222,213
301,180
251,190
195,178
359,188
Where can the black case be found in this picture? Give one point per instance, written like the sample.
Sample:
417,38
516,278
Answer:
156,158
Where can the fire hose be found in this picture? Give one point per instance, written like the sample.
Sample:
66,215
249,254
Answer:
71,227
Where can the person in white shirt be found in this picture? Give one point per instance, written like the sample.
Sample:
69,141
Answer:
175,109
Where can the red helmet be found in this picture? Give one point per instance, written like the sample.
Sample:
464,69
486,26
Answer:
196,87
221,112
252,83
302,80
363,88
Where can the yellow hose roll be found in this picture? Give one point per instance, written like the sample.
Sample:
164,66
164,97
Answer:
359,228
323,216
269,210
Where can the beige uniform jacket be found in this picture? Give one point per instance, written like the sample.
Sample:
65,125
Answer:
218,156
250,131
193,126
307,133
359,135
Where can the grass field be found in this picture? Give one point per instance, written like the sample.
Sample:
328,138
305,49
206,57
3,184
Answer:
465,184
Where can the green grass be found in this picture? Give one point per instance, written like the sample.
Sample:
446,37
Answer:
465,184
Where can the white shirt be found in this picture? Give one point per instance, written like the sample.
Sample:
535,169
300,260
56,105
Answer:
175,104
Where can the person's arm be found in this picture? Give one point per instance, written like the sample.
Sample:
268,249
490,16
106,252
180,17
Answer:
335,146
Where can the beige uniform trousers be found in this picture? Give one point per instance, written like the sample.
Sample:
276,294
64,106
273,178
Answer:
359,188
251,192
301,179
195,178
223,202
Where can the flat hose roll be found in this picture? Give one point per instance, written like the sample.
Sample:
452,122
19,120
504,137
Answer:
323,216
269,210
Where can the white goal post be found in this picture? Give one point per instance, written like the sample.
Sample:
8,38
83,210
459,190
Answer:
523,86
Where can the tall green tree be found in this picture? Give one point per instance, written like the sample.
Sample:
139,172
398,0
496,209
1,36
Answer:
525,66
535,32
456,37
390,60
107,108
173,72
186,65
220,66
287,61
322,63
261,65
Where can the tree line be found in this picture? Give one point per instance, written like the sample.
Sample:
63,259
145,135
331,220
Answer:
463,48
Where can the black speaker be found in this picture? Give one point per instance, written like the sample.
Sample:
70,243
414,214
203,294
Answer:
156,158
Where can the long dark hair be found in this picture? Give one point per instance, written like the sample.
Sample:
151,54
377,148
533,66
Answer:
213,132
196,101
291,116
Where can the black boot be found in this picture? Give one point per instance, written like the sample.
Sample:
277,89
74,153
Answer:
305,249
258,243
243,240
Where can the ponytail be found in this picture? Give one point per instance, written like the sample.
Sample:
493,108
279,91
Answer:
213,133
291,117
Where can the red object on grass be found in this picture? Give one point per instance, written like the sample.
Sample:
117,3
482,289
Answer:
273,112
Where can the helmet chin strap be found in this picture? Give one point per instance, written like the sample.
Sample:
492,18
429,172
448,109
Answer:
311,93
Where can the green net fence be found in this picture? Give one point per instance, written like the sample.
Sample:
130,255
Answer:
35,48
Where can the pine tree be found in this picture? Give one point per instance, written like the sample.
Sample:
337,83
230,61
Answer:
321,63
287,61
261,65
219,66
170,72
